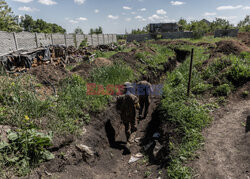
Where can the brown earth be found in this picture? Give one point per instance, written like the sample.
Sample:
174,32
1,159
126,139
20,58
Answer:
100,62
226,152
49,74
109,160
245,38
230,47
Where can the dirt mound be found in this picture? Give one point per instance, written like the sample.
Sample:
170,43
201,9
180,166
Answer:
245,38
230,47
205,44
49,74
83,69
127,57
99,62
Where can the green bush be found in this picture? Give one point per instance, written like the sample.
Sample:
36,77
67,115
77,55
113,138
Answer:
239,73
245,55
25,150
223,90
201,88
84,43
198,34
140,55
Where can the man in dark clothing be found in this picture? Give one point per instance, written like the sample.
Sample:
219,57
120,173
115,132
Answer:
127,104
144,89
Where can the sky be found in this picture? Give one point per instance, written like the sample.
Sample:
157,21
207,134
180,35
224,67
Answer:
116,16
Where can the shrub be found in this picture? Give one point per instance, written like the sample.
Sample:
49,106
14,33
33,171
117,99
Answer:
198,34
201,88
223,90
26,148
245,55
239,73
84,43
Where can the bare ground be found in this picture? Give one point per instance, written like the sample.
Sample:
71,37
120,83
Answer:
226,153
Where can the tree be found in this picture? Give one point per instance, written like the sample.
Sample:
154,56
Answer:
219,23
244,25
96,31
39,25
183,24
27,23
78,30
7,19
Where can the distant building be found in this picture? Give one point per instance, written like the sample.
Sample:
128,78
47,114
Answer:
164,27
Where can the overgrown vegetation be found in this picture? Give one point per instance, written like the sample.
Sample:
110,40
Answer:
29,112
190,115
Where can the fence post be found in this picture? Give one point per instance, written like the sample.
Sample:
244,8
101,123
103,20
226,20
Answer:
103,37
190,72
52,39
92,41
65,39
36,39
97,35
108,39
15,40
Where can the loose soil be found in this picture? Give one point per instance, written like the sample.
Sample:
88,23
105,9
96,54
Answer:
228,47
49,74
245,38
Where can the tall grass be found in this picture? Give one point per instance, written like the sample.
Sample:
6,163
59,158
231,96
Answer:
190,115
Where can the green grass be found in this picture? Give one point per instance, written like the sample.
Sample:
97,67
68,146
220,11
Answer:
109,54
191,115
21,106
207,39
114,75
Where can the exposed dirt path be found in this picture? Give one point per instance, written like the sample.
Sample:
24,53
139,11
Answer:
226,153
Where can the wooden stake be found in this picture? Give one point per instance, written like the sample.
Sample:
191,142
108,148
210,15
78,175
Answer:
190,72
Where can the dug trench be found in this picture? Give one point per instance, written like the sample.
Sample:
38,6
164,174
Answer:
100,151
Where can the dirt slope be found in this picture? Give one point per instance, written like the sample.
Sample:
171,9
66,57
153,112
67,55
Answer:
226,154
110,162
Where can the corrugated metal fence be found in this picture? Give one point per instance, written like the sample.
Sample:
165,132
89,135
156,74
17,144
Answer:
25,40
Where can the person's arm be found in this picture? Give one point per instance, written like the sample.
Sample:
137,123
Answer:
137,104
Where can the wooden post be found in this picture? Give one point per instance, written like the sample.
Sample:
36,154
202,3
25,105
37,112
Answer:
65,39
15,40
97,35
190,72
103,37
52,39
36,39
92,40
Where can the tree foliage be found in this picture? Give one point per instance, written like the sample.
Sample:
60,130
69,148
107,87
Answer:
78,30
244,25
144,30
8,22
39,25
96,31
